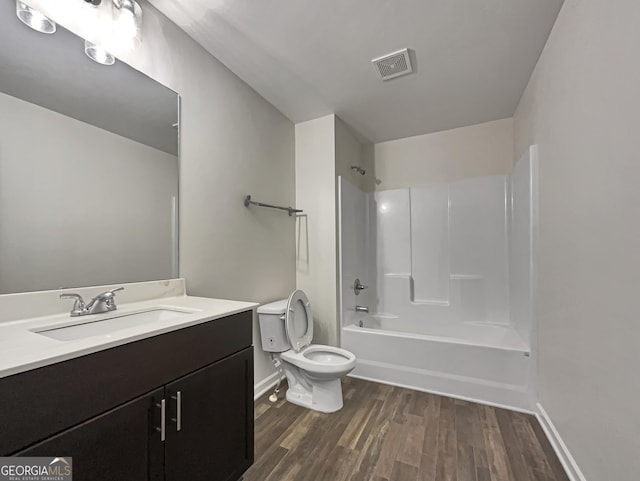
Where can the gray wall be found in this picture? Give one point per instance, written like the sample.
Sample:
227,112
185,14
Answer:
581,107
472,151
233,142
57,229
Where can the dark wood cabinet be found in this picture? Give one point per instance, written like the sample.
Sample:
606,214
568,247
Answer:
119,444
204,375
215,441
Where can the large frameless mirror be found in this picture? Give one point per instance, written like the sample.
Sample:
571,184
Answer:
88,165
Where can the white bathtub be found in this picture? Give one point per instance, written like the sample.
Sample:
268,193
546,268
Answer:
475,361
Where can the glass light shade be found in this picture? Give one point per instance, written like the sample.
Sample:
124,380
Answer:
127,16
34,19
127,25
98,54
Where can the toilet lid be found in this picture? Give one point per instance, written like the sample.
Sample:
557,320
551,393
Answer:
299,320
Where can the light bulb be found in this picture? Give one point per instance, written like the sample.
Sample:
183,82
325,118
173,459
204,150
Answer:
98,54
34,19
127,27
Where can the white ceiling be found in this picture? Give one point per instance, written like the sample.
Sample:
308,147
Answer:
312,57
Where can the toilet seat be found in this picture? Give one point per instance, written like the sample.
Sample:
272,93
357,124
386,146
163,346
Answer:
321,359
299,321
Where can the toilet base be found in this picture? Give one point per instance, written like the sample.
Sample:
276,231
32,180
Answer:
324,396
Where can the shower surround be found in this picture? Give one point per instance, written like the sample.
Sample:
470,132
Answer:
450,274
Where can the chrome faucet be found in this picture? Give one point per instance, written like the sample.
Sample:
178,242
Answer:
103,302
362,309
79,307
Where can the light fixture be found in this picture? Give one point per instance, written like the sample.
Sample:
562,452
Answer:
128,18
34,19
98,54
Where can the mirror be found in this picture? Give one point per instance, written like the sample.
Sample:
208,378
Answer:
88,166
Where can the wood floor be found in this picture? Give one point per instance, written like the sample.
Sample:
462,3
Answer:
386,433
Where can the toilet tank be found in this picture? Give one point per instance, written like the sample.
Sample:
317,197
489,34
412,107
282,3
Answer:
272,331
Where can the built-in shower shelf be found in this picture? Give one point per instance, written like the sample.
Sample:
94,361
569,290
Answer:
385,315
423,302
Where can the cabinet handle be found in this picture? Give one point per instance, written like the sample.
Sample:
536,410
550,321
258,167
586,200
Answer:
163,425
178,418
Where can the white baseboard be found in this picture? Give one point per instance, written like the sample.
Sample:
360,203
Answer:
263,386
443,393
500,394
568,463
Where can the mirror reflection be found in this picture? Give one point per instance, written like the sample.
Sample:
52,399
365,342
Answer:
88,165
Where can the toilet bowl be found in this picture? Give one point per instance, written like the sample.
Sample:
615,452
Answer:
313,371
322,362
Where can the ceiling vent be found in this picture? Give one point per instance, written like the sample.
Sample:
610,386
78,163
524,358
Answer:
393,65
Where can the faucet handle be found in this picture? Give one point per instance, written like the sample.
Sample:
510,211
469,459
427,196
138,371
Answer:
113,291
107,297
103,296
357,287
78,306
72,295
111,303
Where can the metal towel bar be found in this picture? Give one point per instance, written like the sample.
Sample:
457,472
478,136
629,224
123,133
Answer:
290,210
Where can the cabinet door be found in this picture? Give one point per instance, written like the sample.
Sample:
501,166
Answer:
121,444
215,441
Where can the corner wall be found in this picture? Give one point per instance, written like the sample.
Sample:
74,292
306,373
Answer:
581,108
350,151
325,149
316,256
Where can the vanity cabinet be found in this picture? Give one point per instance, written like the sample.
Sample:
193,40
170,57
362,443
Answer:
117,445
105,409
214,442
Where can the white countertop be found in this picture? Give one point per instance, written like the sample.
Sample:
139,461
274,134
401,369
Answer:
22,349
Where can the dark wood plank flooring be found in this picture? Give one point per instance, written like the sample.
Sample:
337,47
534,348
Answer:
386,433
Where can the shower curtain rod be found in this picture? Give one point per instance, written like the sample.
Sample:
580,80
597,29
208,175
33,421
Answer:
290,210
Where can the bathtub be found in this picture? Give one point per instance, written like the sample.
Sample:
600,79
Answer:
481,362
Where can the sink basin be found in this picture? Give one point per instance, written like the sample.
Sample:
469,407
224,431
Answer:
108,326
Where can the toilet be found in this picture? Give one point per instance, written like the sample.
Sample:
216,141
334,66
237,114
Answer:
313,371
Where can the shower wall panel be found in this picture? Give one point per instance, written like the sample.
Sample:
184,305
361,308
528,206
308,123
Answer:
429,248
